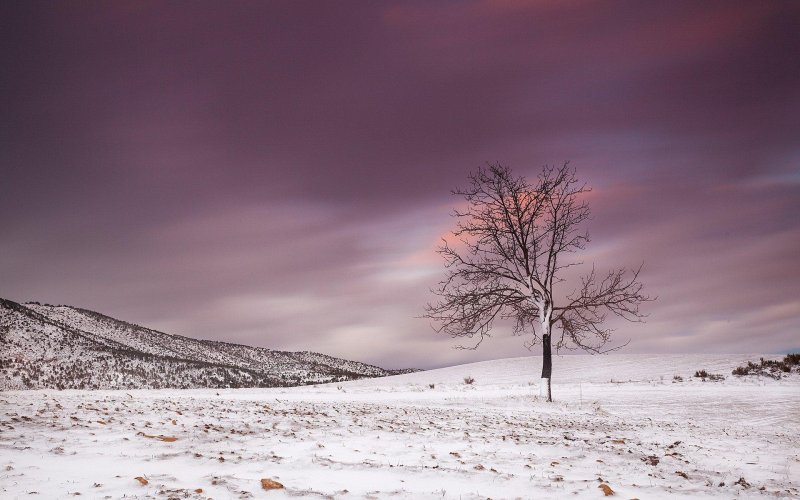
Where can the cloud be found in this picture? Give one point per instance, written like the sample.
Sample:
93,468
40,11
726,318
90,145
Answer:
278,174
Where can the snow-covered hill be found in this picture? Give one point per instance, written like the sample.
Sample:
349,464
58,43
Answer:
45,346
574,369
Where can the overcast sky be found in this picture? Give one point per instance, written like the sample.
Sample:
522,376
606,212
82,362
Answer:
278,173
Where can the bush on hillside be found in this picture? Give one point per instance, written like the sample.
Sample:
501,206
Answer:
710,376
770,367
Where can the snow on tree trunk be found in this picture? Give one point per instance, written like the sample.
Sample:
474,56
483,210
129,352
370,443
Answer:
545,312
547,368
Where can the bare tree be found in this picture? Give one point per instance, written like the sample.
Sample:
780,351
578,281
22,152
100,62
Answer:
512,240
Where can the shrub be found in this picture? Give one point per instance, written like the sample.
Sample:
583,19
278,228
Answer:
432,386
710,376
769,367
677,378
792,359
469,380
740,370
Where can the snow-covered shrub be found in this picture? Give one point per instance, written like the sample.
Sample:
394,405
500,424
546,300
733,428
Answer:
770,367
710,376
469,380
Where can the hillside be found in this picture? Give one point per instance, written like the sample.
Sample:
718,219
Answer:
64,347
574,369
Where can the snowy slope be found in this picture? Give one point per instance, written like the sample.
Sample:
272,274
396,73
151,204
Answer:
396,437
575,369
45,346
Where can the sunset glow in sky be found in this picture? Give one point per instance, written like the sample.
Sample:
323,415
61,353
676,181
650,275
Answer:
278,173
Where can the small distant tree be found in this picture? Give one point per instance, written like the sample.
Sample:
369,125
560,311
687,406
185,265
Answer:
513,238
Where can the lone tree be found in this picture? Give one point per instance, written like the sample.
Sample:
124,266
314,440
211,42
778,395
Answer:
513,237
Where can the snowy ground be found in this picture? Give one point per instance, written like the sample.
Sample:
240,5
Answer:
642,435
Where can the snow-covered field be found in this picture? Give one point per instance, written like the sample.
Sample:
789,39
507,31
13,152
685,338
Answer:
642,435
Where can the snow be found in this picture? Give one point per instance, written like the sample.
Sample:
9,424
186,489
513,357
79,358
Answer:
643,435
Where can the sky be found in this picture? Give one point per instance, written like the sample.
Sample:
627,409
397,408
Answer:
279,173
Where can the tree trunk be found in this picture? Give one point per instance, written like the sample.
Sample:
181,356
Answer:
547,366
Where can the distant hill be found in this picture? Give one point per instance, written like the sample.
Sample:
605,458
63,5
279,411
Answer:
64,347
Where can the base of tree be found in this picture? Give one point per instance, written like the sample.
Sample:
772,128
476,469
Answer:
544,389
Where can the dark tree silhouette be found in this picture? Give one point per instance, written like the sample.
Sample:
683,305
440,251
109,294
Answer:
512,240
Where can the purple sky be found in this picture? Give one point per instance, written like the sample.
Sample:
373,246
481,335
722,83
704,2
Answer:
278,173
